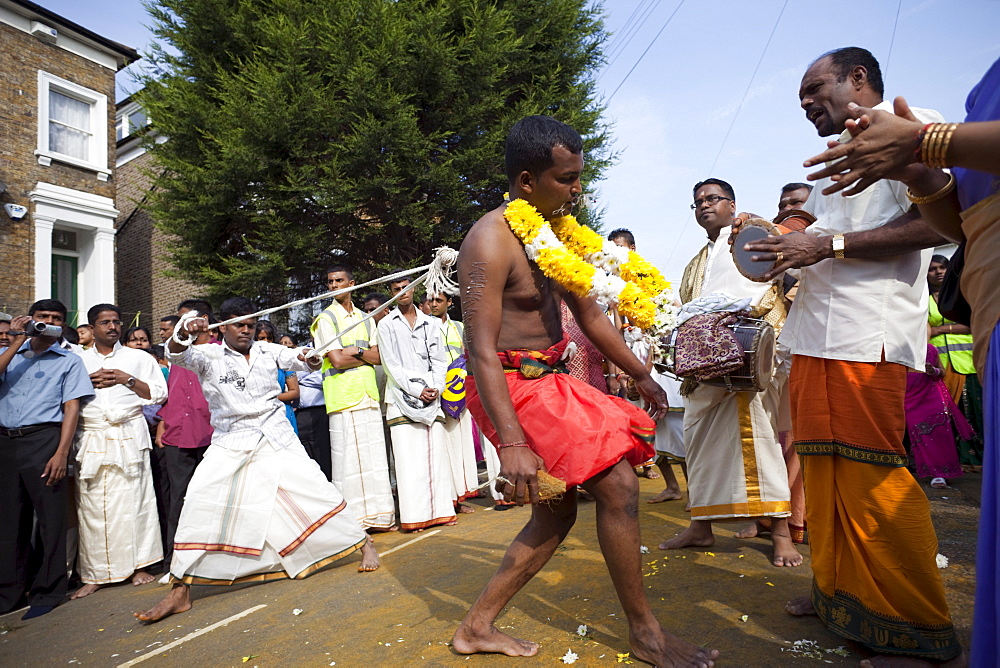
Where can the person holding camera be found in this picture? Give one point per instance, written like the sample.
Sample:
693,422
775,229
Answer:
41,385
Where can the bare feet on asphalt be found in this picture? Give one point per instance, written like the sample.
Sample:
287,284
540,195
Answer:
141,578
463,509
467,641
369,557
800,606
785,553
85,590
177,601
667,495
697,535
661,648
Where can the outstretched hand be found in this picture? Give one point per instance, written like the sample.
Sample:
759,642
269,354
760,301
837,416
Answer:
655,397
882,146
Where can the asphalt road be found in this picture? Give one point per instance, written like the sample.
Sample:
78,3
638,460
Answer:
728,597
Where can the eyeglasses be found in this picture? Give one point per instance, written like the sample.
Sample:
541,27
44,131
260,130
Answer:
106,323
711,200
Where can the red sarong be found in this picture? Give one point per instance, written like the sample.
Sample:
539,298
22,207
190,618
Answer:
577,430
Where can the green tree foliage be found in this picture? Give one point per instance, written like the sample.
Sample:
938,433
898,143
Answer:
303,133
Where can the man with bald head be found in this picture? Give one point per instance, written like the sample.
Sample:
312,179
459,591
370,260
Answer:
858,324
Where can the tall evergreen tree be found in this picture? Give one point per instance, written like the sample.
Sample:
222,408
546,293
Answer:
303,133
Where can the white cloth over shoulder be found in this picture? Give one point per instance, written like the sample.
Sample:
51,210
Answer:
713,303
414,359
853,309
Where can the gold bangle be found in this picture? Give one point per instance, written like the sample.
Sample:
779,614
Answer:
928,145
934,148
939,195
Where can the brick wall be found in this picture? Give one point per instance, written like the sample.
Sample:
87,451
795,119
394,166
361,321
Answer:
21,57
142,263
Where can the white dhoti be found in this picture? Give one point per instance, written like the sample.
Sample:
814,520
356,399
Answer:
670,428
361,467
492,460
423,476
260,513
734,460
461,451
119,531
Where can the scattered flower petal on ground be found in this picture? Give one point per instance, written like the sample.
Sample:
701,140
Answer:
581,630
942,561
570,656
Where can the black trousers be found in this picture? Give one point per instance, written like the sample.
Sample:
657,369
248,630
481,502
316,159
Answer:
181,463
314,432
23,493
161,486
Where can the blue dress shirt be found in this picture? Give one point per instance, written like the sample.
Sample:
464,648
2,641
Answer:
34,388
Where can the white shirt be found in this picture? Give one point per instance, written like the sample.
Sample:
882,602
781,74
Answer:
413,359
118,398
852,309
243,395
721,274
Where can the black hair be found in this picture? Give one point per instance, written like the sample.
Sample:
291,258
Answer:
265,326
70,334
338,268
376,295
789,187
97,309
172,319
622,233
401,278
726,188
530,143
199,305
846,59
132,330
940,259
289,335
48,305
157,351
235,306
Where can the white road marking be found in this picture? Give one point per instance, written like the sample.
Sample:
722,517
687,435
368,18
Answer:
409,542
192,636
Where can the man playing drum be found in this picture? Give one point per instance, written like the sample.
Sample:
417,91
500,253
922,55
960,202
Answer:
735,466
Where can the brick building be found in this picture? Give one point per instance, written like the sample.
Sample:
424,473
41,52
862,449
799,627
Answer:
57,146
143,277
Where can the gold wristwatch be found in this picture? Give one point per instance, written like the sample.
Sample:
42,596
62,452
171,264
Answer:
838,246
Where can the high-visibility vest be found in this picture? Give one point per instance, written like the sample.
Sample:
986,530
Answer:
955,350
344,388
451,332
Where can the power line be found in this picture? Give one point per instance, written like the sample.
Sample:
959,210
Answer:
620,49
736,115
892,40
655,37
616,40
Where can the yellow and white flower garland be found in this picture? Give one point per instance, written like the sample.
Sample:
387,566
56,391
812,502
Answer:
587,265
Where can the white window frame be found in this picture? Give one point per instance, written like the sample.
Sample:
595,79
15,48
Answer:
98,125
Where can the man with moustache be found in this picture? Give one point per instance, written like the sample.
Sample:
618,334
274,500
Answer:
116,506
858,324
41,386
734,460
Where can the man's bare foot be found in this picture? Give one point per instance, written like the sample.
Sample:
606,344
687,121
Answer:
785,553
85,590
660,648
752,530
667,495
369,557
462,509
141,577
800,607
177,601
468,641
698,534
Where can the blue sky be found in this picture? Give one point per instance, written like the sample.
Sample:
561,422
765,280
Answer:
672,114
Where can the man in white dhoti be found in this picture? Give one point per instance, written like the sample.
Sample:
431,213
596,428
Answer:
115,502
415,362
257,508
460,446
359,458
734,460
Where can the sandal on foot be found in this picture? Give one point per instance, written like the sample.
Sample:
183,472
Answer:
939,483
